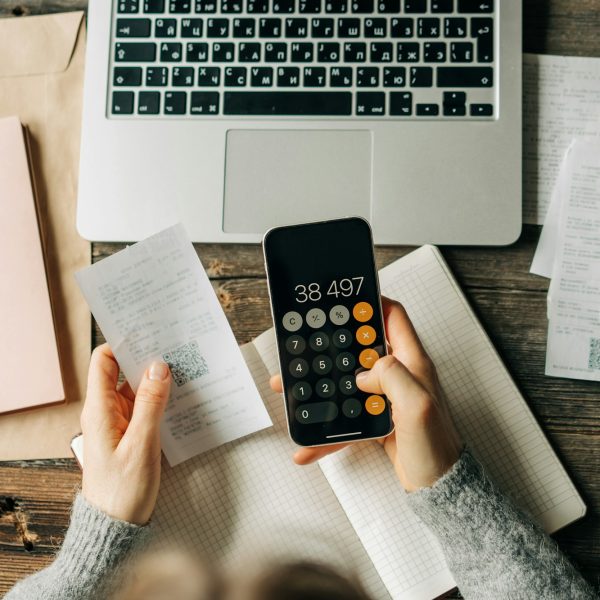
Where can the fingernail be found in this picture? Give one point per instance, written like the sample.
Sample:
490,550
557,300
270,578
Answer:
362,376
158,371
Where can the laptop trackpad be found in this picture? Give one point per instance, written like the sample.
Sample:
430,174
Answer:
281,177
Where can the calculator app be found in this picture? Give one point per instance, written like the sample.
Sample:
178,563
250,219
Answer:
326,309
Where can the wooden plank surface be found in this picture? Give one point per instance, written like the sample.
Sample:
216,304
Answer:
35,496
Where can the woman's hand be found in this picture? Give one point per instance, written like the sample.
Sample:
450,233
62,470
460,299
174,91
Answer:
425,443
121,438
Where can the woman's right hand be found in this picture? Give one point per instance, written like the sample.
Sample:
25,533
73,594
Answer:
425,443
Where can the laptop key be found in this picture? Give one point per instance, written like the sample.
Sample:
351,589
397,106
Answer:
154,6
309,6
191,28
270,28
175,103
421,76
428,28
455,27
204,103
451,110
340,76
127,76
322,28
122,103
135,28
375,28
465,77
482,110
355,52
148,103
434,52
156,76
196,52
284,6
231,6
223,52
401,28
367,77
127,6
407,52
296,28
427,110
401,104
301,52
370,104
257,6
249,52
261,76
288,103
288,76
170,52
235,76
415,6
276,52
362,6
382,51
180,6
483,30
455,98
328,52
182,76
388,6
135,52
441,6
244,28
336,6
461,52
475,6
315,76
209,76
165,28
217,28
348,28
394,77
206,6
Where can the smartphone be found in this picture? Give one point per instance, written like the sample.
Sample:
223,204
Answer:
326,308
77,449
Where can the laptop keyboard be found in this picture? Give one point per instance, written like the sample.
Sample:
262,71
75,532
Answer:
415,59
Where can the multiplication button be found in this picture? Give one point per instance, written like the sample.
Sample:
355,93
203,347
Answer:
292,321
301,391
365,335
315,318
298,367
295,344
339,315
345,361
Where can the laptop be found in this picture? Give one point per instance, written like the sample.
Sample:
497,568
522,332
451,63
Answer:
234,116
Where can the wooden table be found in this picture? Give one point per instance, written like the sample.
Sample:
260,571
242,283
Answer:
35,496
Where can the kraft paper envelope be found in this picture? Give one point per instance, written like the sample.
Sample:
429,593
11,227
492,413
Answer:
41,81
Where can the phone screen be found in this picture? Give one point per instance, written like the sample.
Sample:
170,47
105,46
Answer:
327,314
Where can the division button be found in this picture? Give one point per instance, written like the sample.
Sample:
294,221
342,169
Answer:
292,321
351,408
298,367
325,388
368,357
339,315
315,318
345,361
318,341
316,412
295,344
375,405
347,385
302,391
365,335
322,364
342,338
362,311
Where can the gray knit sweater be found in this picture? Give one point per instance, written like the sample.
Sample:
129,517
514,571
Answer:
493,550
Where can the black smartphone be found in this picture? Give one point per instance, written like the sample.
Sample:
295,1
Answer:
328,321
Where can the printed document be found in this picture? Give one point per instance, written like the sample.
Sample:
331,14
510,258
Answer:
561,101
154,301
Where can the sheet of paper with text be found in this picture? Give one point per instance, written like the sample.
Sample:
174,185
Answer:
154,301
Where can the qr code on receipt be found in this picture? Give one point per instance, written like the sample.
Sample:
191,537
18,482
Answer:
186,363
594,356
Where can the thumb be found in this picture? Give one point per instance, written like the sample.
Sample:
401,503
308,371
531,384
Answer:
150,401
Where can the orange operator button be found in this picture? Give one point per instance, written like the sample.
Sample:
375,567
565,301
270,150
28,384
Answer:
368,357
375,405
362,311
365,335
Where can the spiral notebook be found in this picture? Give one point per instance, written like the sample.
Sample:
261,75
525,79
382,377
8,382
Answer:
246,502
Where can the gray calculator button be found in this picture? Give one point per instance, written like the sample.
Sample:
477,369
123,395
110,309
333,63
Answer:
339,315
315,318
351,408
322,364
318,341
316,412
292,321
298,367
325,388
347,385
302,391
295,344
342,338
345,361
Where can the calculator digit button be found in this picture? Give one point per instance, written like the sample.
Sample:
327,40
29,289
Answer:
362,312
295,344
325,388
375,405
292,321
351,408
368,357
315,318
317,412
298,367
318,341
322,364
347,385
365,335
342,338
339,315
301,391
345,361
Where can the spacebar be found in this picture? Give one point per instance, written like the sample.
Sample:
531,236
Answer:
287,103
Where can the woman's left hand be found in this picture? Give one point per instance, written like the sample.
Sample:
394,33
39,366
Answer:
121,438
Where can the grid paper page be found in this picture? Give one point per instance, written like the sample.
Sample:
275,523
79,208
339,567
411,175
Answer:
491,415
245,504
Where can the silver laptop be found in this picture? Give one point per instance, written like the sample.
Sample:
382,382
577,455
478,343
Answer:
234,116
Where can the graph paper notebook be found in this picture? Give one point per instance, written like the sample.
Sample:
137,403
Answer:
247,502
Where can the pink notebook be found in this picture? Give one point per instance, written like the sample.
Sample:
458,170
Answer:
29,363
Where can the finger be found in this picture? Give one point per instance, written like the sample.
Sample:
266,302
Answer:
149,404
276,384
126,390
306,456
